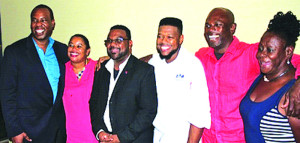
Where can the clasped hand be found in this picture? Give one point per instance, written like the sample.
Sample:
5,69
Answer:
108,138
19,138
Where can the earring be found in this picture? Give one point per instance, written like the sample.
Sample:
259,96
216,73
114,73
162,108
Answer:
288,62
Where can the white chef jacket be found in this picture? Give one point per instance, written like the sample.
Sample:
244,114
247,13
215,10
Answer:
182,97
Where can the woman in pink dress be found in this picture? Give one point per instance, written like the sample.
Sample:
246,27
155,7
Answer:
78,86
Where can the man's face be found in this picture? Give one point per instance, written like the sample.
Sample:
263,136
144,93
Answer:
168,41
219,29
118,49
41,24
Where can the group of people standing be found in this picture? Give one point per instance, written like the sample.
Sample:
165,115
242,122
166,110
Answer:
51,93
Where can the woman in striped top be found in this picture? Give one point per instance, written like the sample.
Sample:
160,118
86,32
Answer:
264,119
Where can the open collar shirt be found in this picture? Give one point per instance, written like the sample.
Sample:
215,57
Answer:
228,81
110,67
50,64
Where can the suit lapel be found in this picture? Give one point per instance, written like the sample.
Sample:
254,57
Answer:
32,54
34,58
104,84
61,82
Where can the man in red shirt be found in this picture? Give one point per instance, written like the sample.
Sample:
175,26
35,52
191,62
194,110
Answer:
231,67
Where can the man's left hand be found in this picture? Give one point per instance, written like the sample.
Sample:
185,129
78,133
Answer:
292,101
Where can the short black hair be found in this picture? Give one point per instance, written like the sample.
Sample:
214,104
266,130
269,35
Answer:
43,6
173,22
286,26
85,40
122,27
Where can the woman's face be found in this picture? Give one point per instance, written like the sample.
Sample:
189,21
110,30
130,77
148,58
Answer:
77,51
272,54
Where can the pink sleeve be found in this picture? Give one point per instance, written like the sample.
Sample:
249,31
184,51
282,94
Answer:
253,60
200,54
296,64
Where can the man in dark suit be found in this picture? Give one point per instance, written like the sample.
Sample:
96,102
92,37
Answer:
123,103
31,81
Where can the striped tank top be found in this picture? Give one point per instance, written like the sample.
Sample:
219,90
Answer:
262,120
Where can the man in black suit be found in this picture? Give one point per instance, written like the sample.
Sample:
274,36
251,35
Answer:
123,103
31,81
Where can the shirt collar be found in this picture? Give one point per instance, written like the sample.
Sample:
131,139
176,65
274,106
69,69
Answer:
110,65
180,55
231,49
50,44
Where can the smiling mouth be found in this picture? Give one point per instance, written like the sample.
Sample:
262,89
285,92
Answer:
114,50
39,31
74,54
263,64
165,47
212,37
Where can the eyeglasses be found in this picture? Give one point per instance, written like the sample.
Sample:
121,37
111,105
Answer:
117,41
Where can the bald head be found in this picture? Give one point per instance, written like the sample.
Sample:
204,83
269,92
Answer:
222,12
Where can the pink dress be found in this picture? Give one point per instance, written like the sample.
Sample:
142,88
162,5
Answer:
76,103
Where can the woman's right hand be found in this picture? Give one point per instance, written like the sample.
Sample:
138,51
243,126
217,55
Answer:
101,60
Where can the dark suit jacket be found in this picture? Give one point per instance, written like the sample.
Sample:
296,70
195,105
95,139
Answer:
133,103
26,95
2,125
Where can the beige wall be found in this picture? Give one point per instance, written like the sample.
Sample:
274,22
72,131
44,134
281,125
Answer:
93,18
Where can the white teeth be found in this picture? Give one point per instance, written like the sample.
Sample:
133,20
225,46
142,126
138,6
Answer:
164,47
74,54
213,36
39,31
